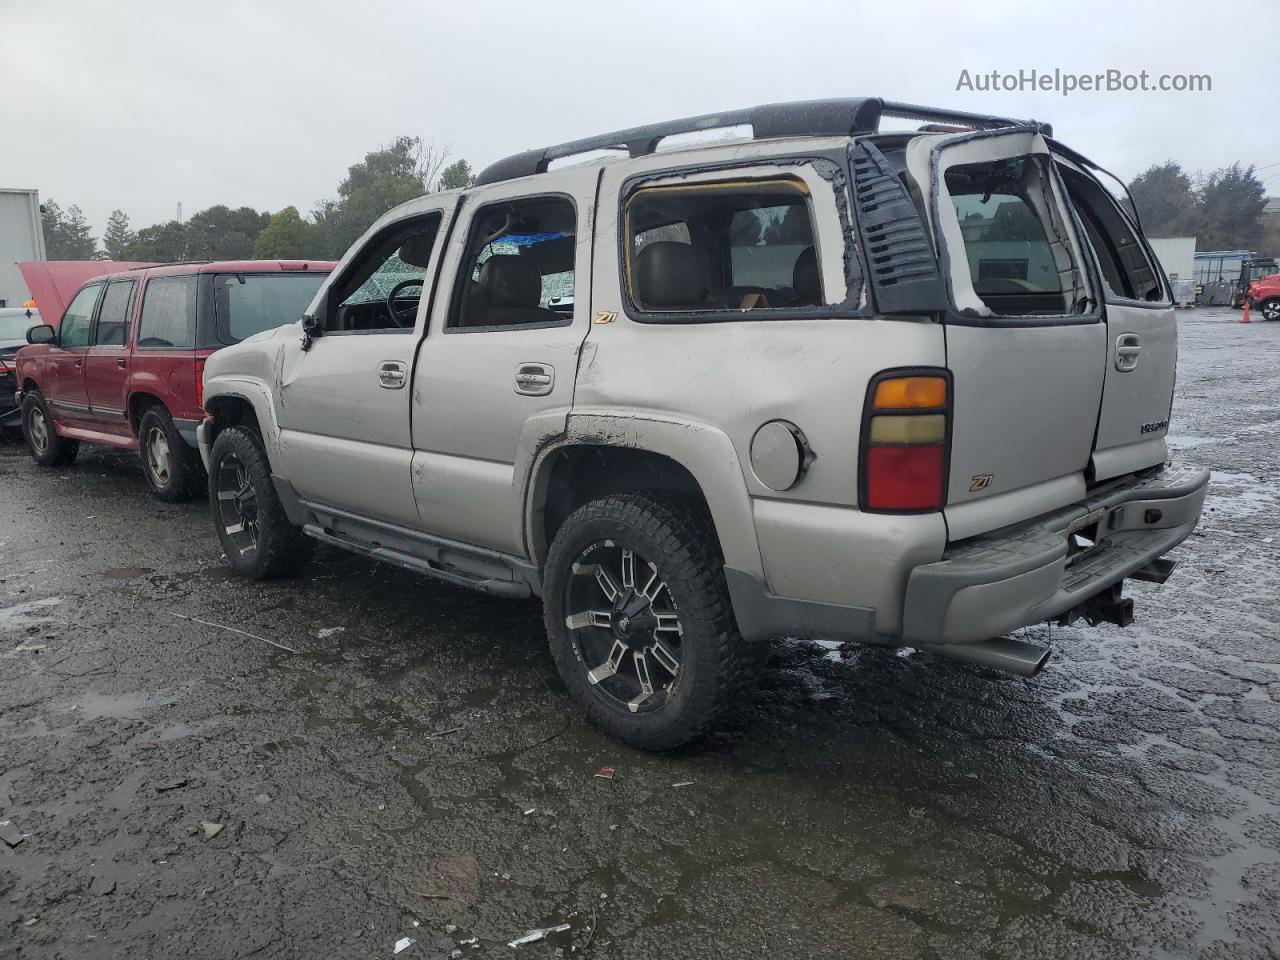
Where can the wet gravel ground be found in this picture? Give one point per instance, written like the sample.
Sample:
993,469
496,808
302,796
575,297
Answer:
415,771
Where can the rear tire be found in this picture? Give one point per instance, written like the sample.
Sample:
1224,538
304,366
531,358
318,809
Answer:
255,532
173,470
649,649
46,447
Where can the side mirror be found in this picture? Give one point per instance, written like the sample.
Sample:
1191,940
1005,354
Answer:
42,334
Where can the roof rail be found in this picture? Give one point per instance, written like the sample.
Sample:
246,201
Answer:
171,263
838,117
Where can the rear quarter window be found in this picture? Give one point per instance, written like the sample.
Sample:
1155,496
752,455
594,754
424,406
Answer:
168,314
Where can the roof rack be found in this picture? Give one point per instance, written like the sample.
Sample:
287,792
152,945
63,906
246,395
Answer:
171,263
838,117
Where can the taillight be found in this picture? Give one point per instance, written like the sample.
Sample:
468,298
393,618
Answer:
200,382
905,432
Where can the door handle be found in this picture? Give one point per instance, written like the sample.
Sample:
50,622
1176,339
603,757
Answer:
1128,346
121,362
79,361
535,379
392,374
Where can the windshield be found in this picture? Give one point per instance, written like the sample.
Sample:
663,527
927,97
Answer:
248,303
15,326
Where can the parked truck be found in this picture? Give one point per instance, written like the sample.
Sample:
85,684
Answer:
21,238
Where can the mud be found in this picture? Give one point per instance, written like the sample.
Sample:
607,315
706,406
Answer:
419,773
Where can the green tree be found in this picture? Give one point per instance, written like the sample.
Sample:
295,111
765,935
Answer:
1231,203
220,233
67,236
456,176
159,243
1167,204
286,236
385,178
117,236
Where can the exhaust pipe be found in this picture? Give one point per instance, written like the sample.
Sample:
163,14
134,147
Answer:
1001,653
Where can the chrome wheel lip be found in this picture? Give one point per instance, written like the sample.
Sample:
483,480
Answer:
236,504
624,628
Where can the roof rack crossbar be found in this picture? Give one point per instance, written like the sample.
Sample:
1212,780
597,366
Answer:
838,117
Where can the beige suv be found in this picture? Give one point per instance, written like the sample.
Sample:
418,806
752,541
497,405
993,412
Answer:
814,378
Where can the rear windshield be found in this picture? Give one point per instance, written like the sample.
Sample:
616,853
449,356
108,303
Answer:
15,326
1020,262
249,303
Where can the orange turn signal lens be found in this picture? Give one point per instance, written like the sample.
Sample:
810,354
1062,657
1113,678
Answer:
911,393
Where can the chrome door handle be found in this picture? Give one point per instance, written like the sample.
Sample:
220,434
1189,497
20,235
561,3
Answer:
1128,346
392,374
535,379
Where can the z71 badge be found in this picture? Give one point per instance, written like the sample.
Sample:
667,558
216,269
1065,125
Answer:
980,482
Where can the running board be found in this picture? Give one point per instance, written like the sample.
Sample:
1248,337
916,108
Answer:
511,589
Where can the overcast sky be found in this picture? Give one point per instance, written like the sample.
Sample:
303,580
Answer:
140,105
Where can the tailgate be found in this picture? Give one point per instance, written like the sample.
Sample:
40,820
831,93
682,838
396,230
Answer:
1026,342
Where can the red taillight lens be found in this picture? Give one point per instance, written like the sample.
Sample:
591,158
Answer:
904,443
905,478
200,382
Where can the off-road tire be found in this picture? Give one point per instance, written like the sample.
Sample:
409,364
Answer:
717,668
180,476
279,547
55,451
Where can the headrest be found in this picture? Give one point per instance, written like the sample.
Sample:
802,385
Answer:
804,277
416,251
510,280
670,274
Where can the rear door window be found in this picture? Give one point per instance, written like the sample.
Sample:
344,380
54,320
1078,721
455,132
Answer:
168,313
245,304
1127,272
113,317
73,331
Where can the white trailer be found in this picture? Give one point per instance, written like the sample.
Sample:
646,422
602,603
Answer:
21,239
1177,255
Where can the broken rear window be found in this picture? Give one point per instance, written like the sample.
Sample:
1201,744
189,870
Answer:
1020,261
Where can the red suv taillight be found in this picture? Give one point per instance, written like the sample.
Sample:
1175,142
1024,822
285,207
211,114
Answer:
200,382
906,429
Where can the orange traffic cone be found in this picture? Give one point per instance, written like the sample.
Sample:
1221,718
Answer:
1245,318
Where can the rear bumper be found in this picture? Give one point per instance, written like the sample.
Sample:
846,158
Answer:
989,585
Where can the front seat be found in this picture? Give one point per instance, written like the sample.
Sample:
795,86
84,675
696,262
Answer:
509,291
671,276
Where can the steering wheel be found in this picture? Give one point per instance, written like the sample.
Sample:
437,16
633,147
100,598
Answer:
401,316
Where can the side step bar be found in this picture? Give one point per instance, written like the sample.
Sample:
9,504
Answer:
1001,653
511,589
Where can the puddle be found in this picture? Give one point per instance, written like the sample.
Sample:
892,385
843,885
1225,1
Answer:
1247,495
23,615
127,573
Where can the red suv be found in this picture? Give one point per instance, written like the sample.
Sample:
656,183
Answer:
1264,295
125,366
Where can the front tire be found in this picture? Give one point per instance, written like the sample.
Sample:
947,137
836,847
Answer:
256,535
172,468
639,620
1270,309
46,447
